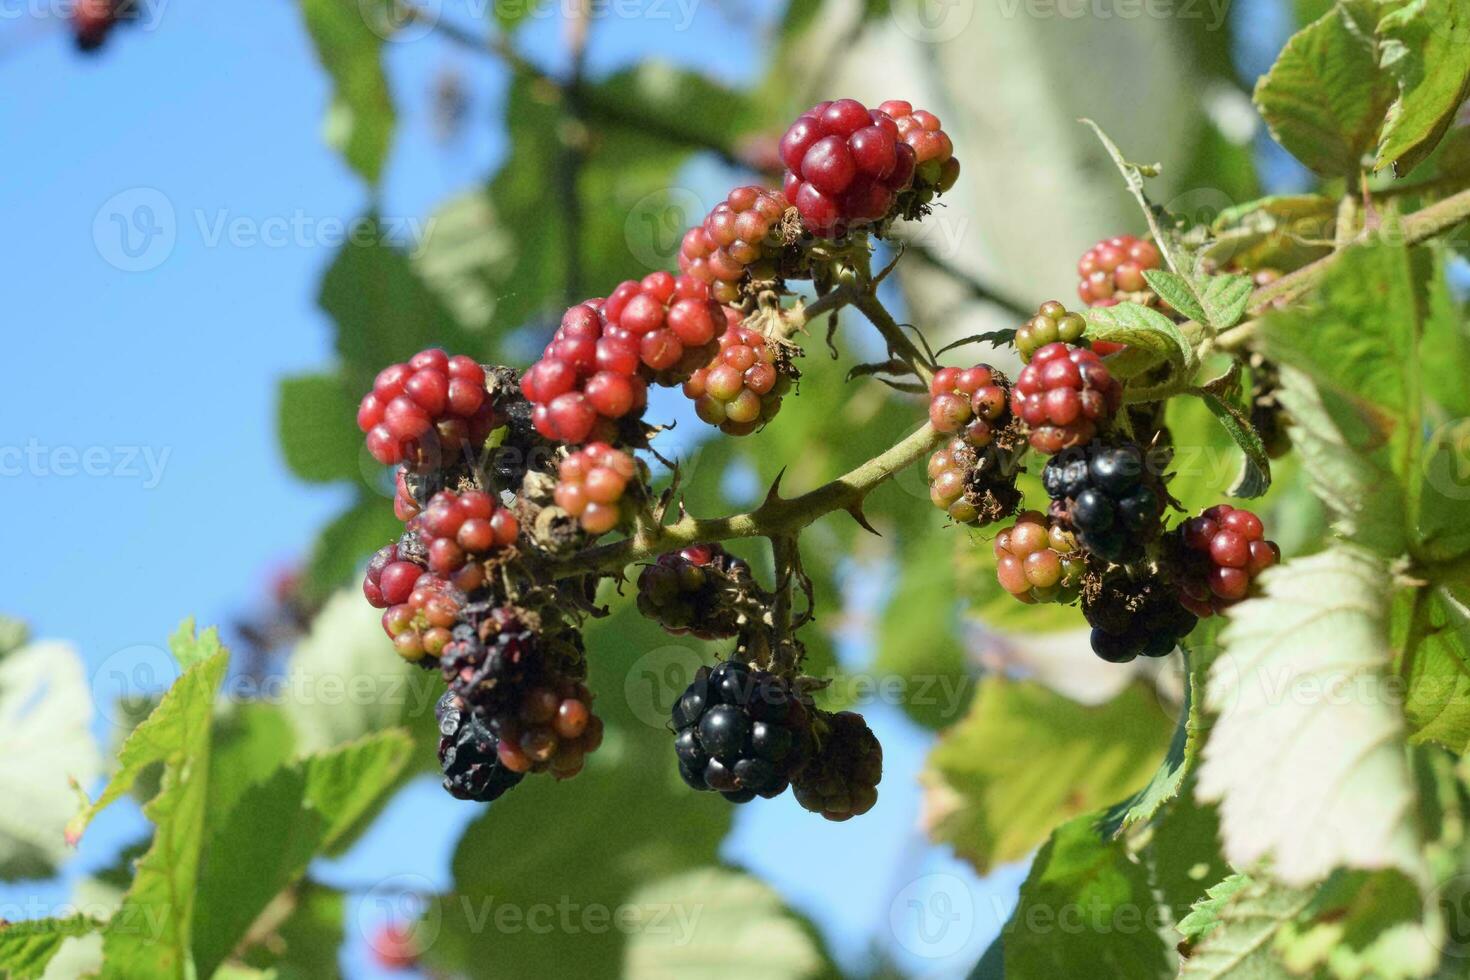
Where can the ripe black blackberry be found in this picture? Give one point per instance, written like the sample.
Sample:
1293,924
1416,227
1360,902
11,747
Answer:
740,732
467,754
841,780
1109,495
702,590
1133,617
497,652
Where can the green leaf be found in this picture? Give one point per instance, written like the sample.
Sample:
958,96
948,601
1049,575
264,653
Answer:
13,634
691,108
1080,886
1235,930
1026,759
277,826
1425,46
46,751
697,924
1325,98
1226,299
1142,329
163,888
345,544
1177,292
304,941
189,646
383,310
1362,924
1434,637
27,947
1200,650
1254,478
347,680
1306,754
348,39
464,257
315,420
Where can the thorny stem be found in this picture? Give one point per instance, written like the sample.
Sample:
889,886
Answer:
776,517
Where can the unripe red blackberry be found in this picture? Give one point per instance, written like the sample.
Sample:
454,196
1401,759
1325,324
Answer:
427,412
973,402
1112,271
1065,394
591,483
845,165
672,323
698,590
936,170
421,626
457,528
841,779
586,379
405,507
741,387
740,732
973,485
1052,323
1220,554
1038,560
741,235
552,729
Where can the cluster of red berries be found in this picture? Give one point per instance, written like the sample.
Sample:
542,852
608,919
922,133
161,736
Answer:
971,402
1065,394
458,527
591,483
1113,268
553,730
585,381
740,235
846,164
1223,550
420,626
936,168
1039,560
426,412
741,387
668,320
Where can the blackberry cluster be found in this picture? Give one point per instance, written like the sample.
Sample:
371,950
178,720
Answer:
936,170
1220,553
586,381
495,653
420,626
469,755
974,485
1106,495
697,590
427,412
1038,560
457,528
845,164
741,388
740,732
1112,271
1134,617
552,730
1051,324
971,402
841,779
1065,394
740,237
591,483
671,322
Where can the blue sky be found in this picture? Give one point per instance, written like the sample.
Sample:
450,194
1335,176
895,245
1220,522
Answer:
164,382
